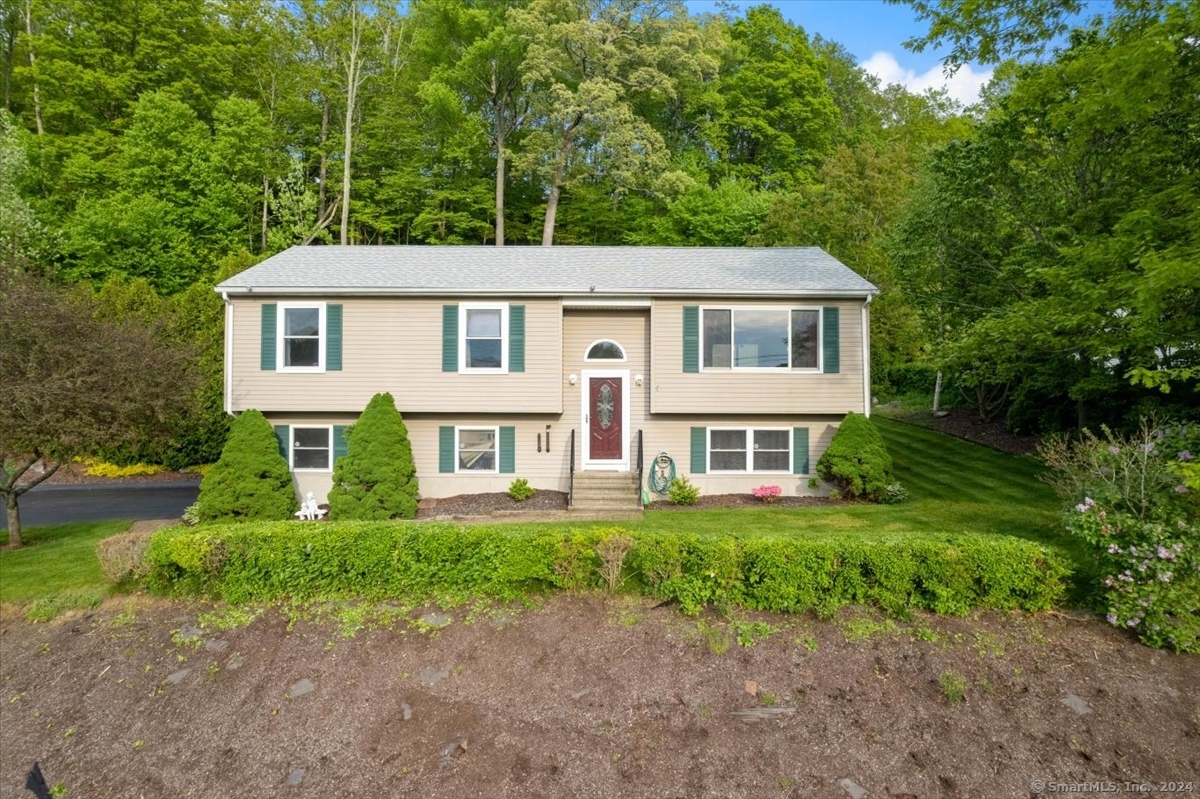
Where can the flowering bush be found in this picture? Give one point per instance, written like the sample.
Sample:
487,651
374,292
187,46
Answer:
1134,501
768,494
1151,573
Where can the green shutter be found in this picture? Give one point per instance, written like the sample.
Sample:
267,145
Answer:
283,434
691,338
800,450
333,338
831,351
699,450
270,312
508,446
450,342
339,441
516,338
446,450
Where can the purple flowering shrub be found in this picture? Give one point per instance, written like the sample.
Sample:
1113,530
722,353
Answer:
1151,573
1135,500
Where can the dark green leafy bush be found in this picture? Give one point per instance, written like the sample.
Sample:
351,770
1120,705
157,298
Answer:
376,479
374,560
251,480
857,460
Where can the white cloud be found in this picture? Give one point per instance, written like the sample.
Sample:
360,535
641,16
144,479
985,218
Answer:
963,86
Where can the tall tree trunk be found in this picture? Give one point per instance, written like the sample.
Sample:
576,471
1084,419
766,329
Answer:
14,520
37,94
499,189
324,173
560,170
266,202
351,93
937,392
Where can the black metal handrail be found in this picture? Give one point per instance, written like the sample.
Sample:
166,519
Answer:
639,466
571,478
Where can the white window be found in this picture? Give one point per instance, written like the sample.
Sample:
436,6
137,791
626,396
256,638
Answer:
301,340
483,341
762,338
749,450
311,448
604,350
477,449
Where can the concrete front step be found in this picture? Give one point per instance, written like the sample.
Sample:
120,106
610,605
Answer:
606,495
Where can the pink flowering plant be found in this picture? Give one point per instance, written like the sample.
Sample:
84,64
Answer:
768,494
1133,501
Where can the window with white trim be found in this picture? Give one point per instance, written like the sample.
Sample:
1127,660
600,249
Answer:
311,448
477,449
749,450
604,350
762,338
483,343
301,339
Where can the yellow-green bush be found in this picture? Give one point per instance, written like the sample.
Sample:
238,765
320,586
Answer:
102,469
373,560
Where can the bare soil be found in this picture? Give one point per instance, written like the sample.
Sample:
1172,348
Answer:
586,696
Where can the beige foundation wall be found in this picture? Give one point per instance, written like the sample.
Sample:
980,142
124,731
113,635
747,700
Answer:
777,391
395,344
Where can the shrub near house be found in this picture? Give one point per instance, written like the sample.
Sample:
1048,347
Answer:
376,478
251,480
857,460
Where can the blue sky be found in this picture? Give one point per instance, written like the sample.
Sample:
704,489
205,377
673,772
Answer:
874,33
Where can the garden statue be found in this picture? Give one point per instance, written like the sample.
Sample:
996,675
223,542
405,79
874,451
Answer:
309,510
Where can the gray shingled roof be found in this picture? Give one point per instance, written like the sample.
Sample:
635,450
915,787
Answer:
558,271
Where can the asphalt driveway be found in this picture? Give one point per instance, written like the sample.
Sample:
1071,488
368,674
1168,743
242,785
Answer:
60,504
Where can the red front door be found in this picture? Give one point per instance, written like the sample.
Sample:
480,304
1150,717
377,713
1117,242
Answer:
604,419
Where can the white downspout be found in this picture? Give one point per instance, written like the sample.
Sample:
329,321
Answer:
228,365
866,355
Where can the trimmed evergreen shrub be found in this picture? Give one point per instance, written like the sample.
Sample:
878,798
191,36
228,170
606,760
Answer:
270,561
251,480
857,461
682,491
376,478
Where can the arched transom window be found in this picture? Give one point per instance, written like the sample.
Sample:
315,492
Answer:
604,350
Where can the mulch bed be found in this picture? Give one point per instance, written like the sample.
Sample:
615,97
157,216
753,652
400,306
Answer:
489,504
965,424
710,501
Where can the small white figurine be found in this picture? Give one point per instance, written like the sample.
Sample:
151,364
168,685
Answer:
309,510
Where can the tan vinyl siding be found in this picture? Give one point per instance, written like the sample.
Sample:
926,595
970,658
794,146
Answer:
630,329
543,470
782,391
550,471
392,344
673,436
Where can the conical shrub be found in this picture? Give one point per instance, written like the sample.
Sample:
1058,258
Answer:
376,478
857,460
251,480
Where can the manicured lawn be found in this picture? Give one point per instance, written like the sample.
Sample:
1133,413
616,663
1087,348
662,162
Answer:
56,559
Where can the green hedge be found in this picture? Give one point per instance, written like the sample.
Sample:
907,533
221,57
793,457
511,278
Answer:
374,560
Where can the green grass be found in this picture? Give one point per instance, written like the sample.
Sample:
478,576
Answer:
57,560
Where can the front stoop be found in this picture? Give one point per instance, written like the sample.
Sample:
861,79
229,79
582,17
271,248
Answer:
606,495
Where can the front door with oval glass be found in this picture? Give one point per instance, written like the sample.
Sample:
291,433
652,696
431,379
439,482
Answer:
605,437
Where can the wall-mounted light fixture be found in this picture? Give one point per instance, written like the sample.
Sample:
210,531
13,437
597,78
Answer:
573,379
637,380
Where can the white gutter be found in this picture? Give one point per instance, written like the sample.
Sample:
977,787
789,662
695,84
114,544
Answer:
228,365
866,355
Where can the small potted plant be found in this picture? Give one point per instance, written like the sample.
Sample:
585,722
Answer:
768,494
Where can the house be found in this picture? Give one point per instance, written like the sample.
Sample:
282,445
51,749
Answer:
570,367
